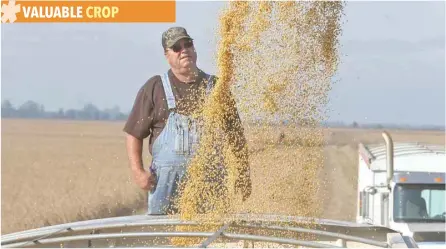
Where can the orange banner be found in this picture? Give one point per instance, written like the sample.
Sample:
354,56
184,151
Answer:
88,11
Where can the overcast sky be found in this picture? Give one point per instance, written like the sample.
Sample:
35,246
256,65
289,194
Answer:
392,61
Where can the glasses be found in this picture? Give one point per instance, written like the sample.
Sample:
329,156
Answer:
177,47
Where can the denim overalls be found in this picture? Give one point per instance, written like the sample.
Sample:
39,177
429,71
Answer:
171,152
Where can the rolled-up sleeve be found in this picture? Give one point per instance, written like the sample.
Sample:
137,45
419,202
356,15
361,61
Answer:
140,118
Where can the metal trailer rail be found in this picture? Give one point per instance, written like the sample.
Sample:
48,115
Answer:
156,231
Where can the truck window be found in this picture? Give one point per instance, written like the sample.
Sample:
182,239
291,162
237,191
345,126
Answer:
419,203
435,201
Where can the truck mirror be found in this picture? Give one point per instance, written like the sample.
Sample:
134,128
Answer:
371,190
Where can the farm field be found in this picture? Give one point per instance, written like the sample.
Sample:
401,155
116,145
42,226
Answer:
62,171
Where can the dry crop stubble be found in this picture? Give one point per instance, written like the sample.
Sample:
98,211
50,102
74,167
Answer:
61,171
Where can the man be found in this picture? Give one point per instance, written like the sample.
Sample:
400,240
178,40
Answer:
415,204
162,111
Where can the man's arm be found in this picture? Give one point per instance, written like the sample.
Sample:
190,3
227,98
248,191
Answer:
144,179
134,152
137,128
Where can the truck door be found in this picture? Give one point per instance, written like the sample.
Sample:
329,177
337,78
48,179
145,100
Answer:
365,204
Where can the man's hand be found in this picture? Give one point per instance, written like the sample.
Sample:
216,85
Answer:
145,180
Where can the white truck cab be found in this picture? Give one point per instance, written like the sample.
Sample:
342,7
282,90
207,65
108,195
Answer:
402,186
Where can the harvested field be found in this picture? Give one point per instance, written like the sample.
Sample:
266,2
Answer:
61,171
58,171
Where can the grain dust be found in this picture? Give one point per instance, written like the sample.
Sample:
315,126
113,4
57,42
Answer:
277,58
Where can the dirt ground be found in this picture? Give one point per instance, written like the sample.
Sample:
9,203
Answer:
62,171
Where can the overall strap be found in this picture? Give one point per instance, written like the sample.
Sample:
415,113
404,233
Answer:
168,90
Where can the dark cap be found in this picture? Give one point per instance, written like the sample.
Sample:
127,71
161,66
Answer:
172,35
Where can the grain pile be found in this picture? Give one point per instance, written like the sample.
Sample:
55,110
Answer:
278,59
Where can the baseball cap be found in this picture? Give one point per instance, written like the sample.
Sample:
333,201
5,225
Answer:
172,35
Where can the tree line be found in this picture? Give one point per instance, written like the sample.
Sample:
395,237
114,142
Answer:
32,109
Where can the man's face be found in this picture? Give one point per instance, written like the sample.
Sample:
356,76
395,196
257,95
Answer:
182,55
